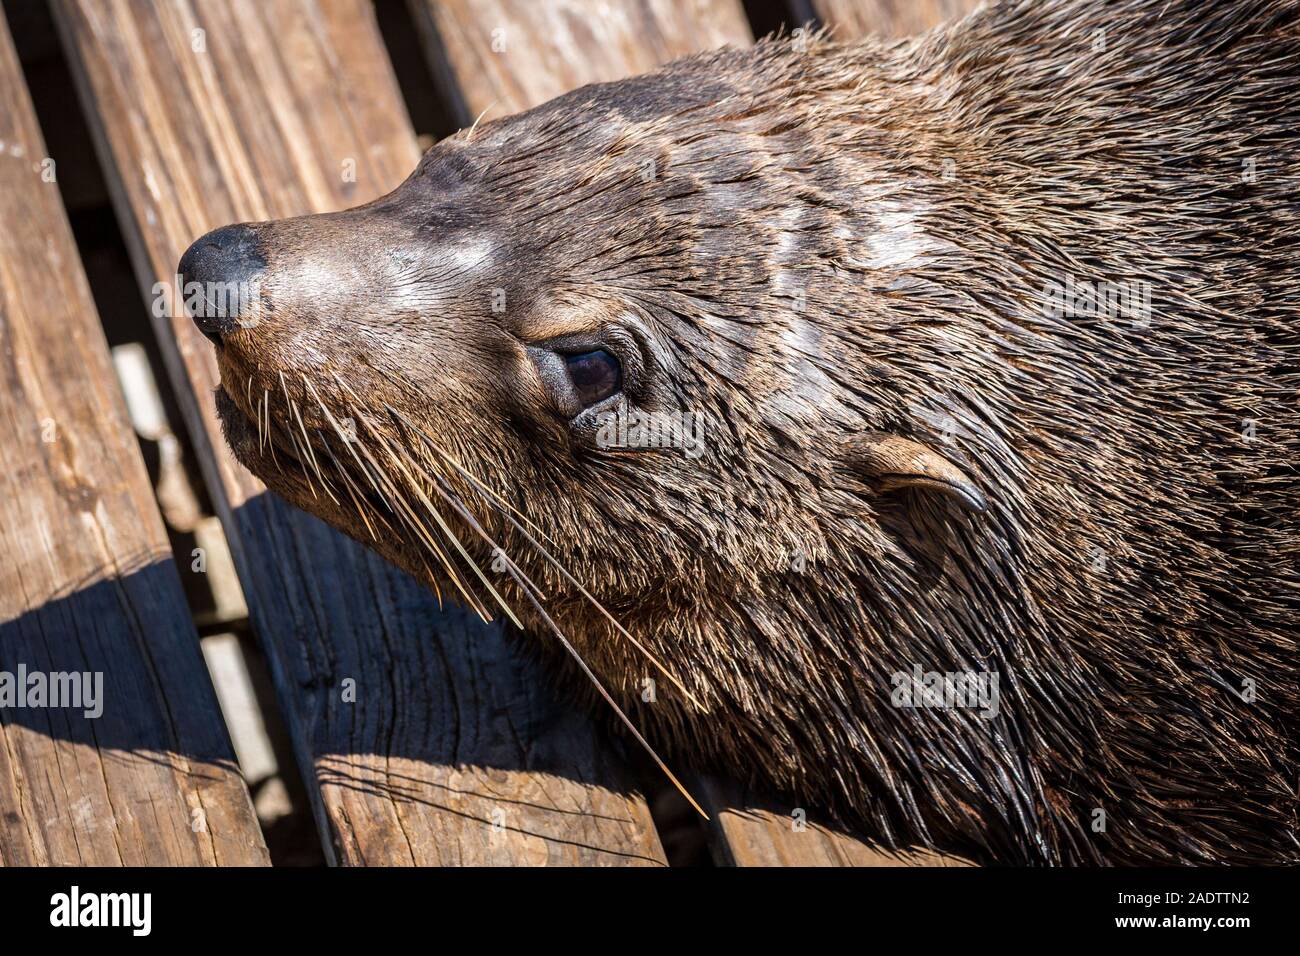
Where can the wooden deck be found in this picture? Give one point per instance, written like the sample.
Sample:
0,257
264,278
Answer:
87,582
455,751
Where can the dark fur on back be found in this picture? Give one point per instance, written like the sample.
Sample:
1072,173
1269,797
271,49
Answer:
838,241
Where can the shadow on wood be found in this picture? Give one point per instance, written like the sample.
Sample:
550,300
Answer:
150,768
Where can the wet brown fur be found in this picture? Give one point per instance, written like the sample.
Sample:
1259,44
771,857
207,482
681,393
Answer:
837,241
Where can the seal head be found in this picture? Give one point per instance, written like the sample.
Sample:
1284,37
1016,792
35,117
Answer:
894,401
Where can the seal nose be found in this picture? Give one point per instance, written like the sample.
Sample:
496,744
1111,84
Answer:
219,276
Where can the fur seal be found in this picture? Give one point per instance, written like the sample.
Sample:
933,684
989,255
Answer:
988,344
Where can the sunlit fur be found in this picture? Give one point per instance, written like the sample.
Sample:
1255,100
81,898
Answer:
835,241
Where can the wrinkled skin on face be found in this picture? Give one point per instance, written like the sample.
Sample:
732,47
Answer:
834,259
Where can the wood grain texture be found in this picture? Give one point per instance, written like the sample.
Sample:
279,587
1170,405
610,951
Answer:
87,583
504,56
888,18
747,830
454,750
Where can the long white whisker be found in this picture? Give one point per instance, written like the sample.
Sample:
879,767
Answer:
451,535
469,476
573,652
594,602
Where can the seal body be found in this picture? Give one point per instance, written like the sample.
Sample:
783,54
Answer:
982,534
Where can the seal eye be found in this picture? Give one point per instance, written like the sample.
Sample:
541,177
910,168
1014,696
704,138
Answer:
595,375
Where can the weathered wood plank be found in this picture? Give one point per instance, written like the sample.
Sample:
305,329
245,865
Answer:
454,750
508,55
87,583
750,831
888,18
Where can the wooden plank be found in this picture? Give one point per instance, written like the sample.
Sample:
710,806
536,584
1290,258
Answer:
504,56
748,830
454,751
887,18
87,582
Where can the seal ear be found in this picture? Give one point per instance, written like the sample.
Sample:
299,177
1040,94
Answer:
897,462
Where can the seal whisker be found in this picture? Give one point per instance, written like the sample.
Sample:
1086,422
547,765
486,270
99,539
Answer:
407,515
533,595
484,489
293,439
350,487
270,443
451,535
442,557
255,408
564,572
311,455
600,688
302,457
358,498
264,427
